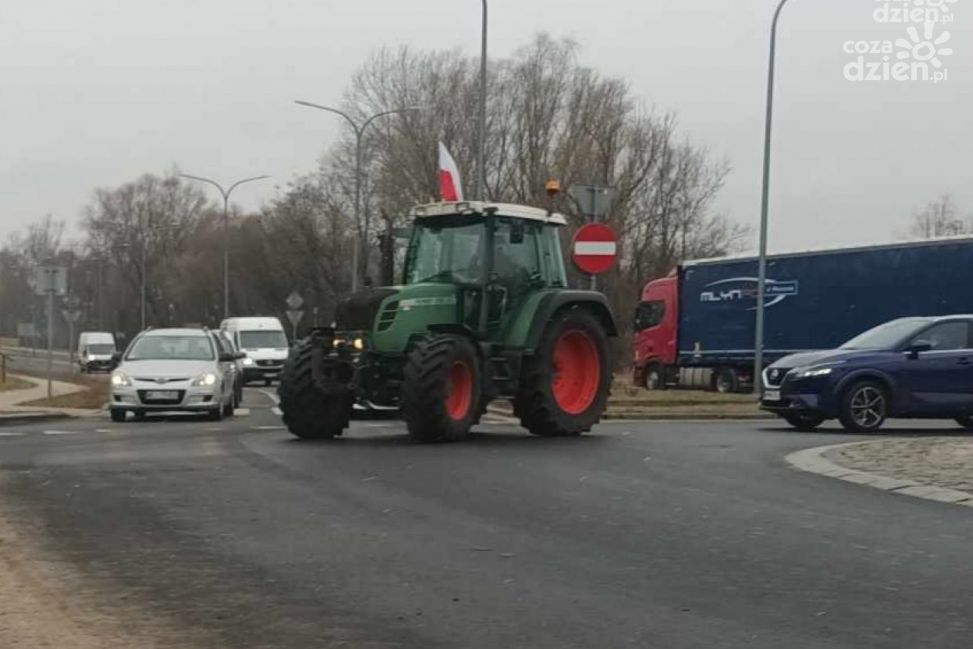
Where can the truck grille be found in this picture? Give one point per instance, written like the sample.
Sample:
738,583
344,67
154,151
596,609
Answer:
270,363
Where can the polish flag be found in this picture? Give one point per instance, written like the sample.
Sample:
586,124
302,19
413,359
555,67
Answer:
450,187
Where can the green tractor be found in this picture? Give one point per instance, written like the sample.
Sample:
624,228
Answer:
484,312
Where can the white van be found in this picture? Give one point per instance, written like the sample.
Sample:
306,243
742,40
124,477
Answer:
263,341
96,351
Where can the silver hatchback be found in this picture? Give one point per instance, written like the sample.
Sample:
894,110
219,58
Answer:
174,370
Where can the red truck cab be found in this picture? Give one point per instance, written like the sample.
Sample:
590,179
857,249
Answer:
656,332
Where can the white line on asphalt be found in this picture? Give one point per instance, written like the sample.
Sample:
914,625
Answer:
242,412
11,434
273,397
214,428
269,428
104,430
61,432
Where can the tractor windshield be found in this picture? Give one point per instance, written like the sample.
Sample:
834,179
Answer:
449,252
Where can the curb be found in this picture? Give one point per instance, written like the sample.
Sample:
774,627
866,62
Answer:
31,418
812,460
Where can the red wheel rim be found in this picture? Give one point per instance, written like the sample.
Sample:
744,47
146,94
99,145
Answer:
577,372
459,391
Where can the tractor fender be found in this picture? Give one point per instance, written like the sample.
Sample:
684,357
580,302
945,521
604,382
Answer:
527,331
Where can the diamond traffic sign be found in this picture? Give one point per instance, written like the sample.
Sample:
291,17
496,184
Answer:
294,301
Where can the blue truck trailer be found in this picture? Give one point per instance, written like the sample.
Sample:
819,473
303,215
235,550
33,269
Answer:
697,325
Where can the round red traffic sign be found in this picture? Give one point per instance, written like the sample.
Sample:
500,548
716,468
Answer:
594,248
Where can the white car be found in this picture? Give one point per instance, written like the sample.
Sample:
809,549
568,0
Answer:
167,370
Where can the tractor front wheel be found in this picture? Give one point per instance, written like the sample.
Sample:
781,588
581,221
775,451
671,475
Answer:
307,411
565,385
442,393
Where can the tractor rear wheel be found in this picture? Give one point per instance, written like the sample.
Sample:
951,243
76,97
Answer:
442,395
564,386
307,411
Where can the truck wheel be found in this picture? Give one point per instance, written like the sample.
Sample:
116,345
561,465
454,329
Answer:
442,395
117,415
804,422
726,380
655,377
307,412
564,385
864,407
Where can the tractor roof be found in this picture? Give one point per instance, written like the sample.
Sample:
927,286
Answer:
478,207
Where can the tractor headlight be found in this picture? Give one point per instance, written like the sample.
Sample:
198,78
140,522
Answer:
358,343
120,379
204,380
247,361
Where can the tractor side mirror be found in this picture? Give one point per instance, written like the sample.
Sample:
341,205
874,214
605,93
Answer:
517,231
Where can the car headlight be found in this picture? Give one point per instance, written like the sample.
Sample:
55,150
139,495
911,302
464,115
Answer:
358,343
120,379
204,380
247,361
808,372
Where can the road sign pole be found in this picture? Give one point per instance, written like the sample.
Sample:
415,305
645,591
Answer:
50,334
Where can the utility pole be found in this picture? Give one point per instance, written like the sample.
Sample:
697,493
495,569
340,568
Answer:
758,347
359,130
226,231
480,188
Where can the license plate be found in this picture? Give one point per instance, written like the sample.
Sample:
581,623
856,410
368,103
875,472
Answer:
162,395
771,395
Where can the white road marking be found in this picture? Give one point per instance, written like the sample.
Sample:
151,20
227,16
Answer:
270,395
214,428
269,428
104,430
11,434
61,432
241,412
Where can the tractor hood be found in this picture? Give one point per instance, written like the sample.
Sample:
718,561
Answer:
404,311
357,312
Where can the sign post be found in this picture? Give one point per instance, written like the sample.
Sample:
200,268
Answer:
294,313
71,315
50,281
594,201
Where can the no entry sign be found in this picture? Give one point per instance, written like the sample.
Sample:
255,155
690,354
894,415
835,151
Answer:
594,248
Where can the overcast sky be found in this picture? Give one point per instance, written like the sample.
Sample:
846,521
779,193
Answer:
95,93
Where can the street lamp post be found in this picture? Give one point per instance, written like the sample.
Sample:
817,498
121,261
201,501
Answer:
359,130
758,361
226,230
480,189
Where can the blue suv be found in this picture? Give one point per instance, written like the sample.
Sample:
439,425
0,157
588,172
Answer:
910,367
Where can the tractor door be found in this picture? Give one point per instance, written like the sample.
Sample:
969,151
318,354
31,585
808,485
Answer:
516,270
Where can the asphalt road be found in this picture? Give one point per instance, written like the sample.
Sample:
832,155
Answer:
662,535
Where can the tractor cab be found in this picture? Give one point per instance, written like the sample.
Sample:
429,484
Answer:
490,257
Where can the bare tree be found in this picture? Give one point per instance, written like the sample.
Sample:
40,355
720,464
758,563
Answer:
938,218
